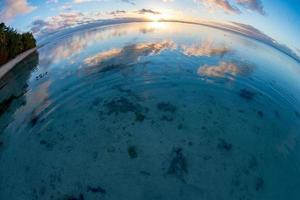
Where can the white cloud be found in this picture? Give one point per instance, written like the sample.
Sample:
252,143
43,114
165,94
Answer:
13,8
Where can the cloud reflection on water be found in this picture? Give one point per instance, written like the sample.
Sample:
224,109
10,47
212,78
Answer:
69,47
128,54
224,70
207,48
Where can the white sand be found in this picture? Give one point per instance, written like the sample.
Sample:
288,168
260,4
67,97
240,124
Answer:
8,66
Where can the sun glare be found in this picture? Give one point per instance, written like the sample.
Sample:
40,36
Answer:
155,18
157,25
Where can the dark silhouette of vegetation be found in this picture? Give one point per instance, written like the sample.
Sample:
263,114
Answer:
13,43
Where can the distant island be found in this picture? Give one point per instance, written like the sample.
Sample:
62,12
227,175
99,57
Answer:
13,43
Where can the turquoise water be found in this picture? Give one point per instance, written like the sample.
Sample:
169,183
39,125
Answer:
151,111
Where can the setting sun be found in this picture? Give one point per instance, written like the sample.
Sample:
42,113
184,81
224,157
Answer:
155,18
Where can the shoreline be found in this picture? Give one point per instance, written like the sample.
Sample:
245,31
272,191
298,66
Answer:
4,69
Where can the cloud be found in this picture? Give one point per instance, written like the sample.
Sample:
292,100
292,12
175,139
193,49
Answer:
63,20
225,70
219,71
117,12
219,4
207,48
147,11
71,18
254,5
85,1
127,55
68,48
13,8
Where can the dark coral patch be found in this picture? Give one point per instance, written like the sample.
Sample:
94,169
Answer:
80,197
224,145
96,190
178,165
132,152
247,94
139,117
166,107
260,114
166,118
297,114
34,119
123,105
4,105
259,184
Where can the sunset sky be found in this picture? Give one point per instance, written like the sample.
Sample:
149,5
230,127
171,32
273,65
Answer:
277,19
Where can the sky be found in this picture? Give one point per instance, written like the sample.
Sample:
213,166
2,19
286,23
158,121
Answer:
276,20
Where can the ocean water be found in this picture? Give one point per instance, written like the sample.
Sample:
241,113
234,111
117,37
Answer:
151,111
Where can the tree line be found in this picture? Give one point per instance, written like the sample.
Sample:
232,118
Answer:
13,43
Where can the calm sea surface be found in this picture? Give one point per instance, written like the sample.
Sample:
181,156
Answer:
151,111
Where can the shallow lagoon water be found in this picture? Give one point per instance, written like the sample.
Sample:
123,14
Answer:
151,111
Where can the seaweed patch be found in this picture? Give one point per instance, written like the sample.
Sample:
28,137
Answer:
297,114
34,119
247,94
123,105
80,197
224,145
132,152
166,107
178,164
46,144
4,105
96,190
259,184
260,114
166,118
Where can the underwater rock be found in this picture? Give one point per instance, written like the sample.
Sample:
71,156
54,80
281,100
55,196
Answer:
96,101
81,197
166,118
46,144
224,145
166,107
178,165
246,94
96,190
297,114
180,126
259,184
260,114
40,76
34,119
4,105
123,105
145,173
132,152
139,117
276,113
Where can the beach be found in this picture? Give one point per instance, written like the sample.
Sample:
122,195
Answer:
8,66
